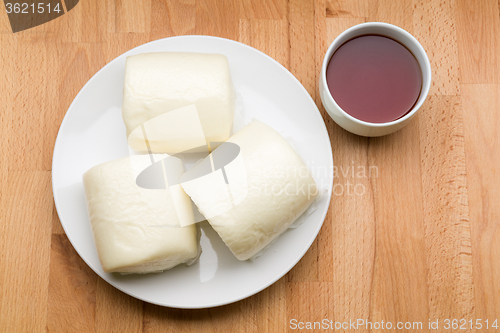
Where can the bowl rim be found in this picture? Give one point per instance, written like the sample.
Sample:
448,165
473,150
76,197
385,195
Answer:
426,83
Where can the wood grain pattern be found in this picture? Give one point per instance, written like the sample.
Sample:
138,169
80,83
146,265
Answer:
350,9
446,209
352,223
477,25
481,103
418,241
218,18
172,18
78,27
265,313
26,142
131,16
301,36
268,36
262,9
7,53
72,290
25,251
400,284
435,28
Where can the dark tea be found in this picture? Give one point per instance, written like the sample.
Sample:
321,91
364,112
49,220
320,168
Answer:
374,78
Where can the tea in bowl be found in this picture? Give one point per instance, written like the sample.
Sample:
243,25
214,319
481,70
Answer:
375,76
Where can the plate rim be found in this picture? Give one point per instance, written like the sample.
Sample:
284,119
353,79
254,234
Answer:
271,281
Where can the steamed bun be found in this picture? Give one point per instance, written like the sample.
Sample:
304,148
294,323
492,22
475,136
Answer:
254,198
157,84
136,229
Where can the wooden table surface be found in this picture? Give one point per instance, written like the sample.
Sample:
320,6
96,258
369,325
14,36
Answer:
422,242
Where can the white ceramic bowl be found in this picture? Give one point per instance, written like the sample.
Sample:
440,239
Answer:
355,125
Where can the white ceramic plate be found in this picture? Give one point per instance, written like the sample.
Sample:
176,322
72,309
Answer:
93,132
